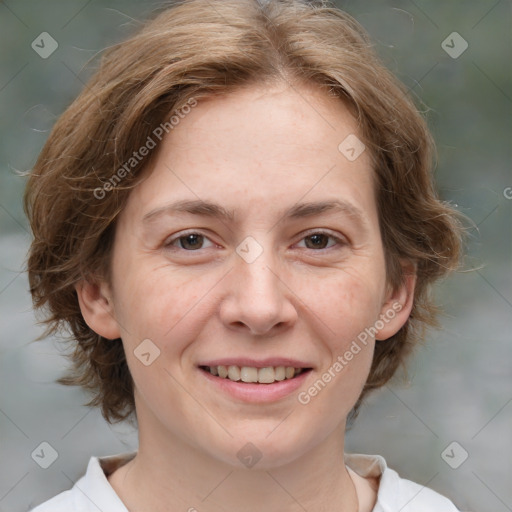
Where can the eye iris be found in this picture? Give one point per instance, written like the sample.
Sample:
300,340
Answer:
319,241
195,241
192,241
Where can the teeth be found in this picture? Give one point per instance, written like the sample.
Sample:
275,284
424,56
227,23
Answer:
249,374
280,373
234,373
266,375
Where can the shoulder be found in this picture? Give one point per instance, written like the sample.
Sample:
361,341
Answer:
396,493
92,492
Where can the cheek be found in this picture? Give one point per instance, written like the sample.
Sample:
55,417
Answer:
346,304
167,310
159,303
347,309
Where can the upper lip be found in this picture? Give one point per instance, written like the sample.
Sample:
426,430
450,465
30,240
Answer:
256,363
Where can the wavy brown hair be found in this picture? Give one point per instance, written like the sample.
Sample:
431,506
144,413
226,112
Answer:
198,49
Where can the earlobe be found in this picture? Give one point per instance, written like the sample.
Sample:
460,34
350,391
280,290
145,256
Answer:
398,305
97,308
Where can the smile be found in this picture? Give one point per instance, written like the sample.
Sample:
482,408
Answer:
251,374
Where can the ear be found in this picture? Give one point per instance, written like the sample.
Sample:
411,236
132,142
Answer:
97,308
398,304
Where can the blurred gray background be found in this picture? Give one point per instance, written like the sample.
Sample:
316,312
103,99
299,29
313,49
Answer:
459,387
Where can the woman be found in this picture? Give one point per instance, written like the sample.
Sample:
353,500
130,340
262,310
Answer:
237,221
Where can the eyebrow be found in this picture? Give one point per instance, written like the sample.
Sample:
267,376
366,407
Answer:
298,211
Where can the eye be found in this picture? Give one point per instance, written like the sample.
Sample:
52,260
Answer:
193,241
320,240
189,241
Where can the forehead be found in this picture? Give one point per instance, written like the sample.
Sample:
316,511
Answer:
261,145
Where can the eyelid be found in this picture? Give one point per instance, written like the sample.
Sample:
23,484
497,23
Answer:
170,240
339,239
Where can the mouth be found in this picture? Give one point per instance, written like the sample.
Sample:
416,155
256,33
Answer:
254,375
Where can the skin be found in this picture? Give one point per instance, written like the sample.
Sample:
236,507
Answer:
258,152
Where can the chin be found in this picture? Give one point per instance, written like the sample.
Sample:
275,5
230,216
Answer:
263,448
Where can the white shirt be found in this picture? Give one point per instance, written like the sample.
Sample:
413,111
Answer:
93,493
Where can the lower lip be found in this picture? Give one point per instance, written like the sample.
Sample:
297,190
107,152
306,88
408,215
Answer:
257,393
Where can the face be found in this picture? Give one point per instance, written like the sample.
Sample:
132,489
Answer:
253,243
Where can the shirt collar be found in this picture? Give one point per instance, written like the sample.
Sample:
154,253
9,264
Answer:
95,482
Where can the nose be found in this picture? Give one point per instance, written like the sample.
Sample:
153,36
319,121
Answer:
258,300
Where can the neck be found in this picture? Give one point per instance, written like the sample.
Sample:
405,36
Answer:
170,474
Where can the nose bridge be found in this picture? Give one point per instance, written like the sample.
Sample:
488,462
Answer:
257,280
257,297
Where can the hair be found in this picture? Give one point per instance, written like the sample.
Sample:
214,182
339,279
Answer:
199,49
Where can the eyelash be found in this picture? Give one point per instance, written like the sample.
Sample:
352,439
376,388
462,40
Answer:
168,244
